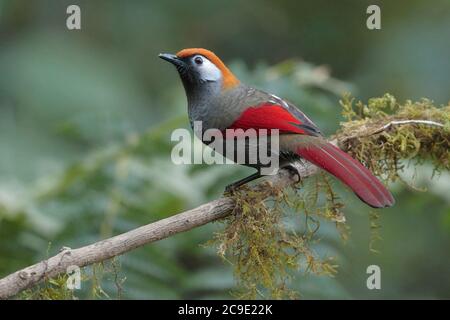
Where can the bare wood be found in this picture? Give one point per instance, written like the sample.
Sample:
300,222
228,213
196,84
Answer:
120,244
364,132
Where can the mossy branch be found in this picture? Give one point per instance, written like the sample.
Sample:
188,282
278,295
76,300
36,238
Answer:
379,134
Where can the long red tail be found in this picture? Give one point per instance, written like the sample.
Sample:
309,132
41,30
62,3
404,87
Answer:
351,172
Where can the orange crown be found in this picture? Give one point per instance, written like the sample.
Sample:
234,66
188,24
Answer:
229,80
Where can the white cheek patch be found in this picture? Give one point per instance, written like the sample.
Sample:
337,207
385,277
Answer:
209,71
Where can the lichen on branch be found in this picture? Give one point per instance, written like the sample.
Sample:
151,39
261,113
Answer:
263,250
256,240
383,132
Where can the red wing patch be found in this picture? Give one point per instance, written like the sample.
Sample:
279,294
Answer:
268,116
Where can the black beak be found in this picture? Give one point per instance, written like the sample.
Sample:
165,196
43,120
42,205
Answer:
172,59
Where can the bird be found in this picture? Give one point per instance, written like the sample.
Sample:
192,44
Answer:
219,100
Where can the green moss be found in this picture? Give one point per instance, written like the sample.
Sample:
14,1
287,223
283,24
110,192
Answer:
263,251
255,239
375,227
91,277
382,151
51,289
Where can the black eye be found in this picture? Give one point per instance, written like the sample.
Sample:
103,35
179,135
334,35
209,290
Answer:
198,60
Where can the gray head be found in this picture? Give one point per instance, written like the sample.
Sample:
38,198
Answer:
201,71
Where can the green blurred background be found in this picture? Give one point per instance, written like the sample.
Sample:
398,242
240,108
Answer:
86,117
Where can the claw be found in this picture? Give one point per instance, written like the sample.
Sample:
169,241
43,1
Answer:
231,188
293,171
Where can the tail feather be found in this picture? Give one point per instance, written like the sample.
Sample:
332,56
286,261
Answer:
350,171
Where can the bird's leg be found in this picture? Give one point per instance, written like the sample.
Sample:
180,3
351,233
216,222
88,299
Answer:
293,171
231,187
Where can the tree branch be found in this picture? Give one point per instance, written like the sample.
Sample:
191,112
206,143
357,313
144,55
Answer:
364,132
120,244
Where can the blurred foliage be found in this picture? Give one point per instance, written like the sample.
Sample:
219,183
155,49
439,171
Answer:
86,117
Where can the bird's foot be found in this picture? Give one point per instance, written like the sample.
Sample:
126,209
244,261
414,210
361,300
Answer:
230,189
293,171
